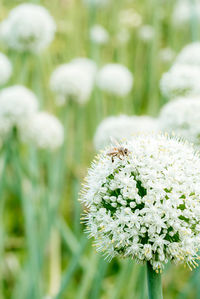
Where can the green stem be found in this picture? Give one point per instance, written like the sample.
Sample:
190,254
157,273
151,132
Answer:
154,283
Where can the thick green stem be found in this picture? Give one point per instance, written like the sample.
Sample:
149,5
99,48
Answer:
154,283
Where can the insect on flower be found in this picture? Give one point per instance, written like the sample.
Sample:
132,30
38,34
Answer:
118,151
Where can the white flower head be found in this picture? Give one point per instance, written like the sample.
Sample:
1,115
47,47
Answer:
122,127
144,202
16,104
99,35
180,80
28,27
88,65
184,11
146,33
5,69
115,79
182,117
73,80
43,130
190,55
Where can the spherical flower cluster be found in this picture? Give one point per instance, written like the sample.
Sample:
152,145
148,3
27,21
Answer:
145,202
28,27
99,35
122,127
190,55
5,69
115,79
73,81
182,117
146,33
88,65
184,11
43,130
180,80
16,104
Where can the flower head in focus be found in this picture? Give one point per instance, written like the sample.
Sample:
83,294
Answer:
180,80
182,117
122,127
99,35
43,130
115,79
144,204
28,27
16,104
74,80
5,69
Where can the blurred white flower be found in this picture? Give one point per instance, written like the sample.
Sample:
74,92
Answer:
190,55
180,80
16,104
28,27
96,3
182,117
143,203
5,69
73,81
122,127
184,11
146,33
115,79
130,18
88,65
167,55
99,35
43,130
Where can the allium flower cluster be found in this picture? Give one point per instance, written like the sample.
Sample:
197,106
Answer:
122,127
28,27
115,79
145,204
5,69
190,55
184,11
16,104
73,81
99,35
182,117
43,130
180,80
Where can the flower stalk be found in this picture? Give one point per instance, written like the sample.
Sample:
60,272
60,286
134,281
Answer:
154,283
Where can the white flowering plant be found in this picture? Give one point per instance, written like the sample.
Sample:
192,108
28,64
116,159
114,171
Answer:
28,27
142,201
182,117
